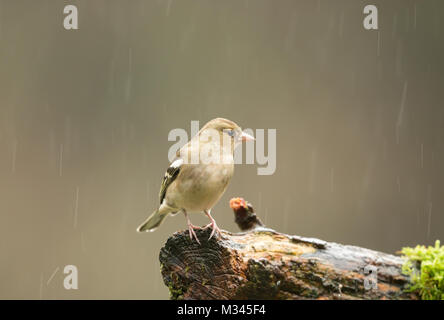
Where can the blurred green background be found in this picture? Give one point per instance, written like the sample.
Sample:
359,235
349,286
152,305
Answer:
85,115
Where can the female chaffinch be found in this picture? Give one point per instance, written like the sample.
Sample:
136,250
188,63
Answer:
199,175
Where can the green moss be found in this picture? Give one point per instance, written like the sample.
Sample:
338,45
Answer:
425,266
175,294
175,287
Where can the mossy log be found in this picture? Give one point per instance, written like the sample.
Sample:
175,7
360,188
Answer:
265,264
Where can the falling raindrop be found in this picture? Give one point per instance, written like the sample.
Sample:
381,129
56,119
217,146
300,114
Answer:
129,77
82,242
414,17
61,160
52,276
341,24
313,161
401,111
378,51
429,209
395,24
429,219
14,155
76,208
169,2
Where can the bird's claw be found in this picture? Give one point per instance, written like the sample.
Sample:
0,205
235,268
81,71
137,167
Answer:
192,233
215,230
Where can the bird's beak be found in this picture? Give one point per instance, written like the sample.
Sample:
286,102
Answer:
247,137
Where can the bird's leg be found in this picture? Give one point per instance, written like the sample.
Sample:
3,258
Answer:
191,228
212,224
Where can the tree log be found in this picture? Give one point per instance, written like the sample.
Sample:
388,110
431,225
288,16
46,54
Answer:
265,264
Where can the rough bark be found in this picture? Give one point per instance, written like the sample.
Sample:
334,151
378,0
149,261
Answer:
265,264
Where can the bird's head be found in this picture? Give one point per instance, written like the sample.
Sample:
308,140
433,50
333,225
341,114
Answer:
228,130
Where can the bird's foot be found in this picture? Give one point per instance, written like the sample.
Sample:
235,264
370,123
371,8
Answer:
191,228
215,228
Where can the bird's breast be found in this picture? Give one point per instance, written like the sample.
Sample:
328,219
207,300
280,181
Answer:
201,186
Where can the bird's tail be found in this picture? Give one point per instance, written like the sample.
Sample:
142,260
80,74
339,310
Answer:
153,221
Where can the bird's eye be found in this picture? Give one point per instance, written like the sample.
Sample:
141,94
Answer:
231,133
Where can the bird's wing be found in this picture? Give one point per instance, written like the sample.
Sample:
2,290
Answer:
170,175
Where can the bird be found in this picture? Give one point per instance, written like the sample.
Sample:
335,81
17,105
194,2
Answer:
199,175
